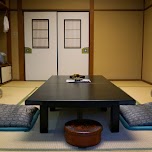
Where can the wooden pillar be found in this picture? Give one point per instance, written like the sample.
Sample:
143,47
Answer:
9,51
21,40
91,53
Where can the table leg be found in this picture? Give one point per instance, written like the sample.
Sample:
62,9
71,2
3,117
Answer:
79,114
114,122
43,119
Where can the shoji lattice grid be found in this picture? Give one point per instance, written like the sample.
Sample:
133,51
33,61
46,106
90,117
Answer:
40,33
72,33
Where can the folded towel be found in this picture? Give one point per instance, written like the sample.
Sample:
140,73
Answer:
6,24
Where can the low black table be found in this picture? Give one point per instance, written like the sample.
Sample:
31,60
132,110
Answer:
56,92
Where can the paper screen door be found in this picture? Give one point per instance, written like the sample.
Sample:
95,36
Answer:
73,43
40,30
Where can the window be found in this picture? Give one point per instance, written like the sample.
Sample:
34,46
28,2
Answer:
72,33
40,33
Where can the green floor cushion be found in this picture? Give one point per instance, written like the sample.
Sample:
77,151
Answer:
137,117
17,117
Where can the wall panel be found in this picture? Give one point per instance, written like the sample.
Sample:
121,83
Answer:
13,4
15,51
55,4
118,44
147,53
118,34
3,36
119,4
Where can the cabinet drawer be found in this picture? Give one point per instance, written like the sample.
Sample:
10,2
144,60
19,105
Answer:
6,74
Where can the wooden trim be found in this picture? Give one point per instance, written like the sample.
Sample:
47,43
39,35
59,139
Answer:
21,41
77,10
91,38
125,80
9,47
52,10
119,10
148,7
147,82
3,6
56,10
142,57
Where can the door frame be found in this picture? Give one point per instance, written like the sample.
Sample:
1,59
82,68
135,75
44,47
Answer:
20,15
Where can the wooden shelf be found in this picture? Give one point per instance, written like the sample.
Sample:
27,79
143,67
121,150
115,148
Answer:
3,6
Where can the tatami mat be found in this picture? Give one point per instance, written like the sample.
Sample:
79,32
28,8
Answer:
13,95
23,84
91,151
55,141
140,94
139,90
16,91
131,84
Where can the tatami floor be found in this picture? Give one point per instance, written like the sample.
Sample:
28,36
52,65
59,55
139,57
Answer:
15,92
139,90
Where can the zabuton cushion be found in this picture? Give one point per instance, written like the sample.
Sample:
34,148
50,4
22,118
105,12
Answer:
137,116
17,117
